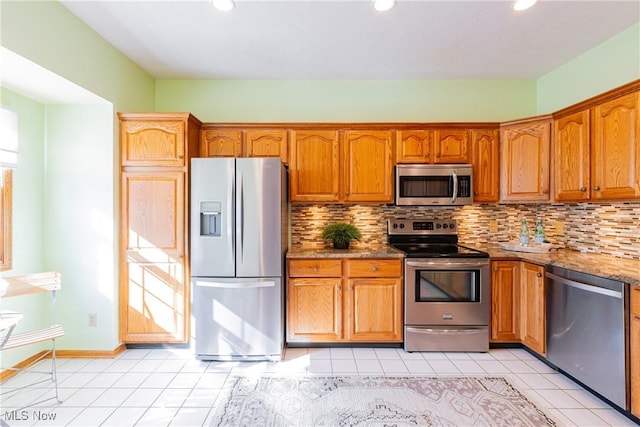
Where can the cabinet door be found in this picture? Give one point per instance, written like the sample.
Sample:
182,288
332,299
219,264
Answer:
634,346
154,293
615,164
314,169
267,143
572,158
314,309
221,143
414,146
368,173
485,148
152,142
532,306
374,308
451,145
524,162
505,301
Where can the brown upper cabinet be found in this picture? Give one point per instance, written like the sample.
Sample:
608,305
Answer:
525,160
152,140
615,168
244,142
439,145
221,143
368,166
597,147
314,167
329,165
267,143
485,154
414,146
451,145
572,155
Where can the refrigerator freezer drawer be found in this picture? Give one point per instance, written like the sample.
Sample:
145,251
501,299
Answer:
238,319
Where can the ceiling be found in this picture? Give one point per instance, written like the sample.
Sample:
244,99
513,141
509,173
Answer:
320,39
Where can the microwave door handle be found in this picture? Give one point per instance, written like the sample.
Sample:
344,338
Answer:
455,186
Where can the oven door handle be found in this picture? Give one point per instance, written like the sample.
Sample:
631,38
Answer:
440,264
455,186
445,331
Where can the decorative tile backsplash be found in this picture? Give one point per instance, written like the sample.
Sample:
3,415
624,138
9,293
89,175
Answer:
606,228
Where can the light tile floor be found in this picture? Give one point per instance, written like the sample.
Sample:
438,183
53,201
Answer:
169,387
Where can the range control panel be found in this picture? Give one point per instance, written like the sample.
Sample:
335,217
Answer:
420,226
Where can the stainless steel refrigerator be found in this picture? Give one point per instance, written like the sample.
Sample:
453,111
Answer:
239,237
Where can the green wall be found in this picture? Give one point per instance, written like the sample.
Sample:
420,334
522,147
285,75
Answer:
348,101
604,67
28,208
69,221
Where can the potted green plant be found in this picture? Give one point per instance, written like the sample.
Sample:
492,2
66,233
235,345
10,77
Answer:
341,234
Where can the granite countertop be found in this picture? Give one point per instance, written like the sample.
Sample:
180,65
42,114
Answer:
622,269
356,252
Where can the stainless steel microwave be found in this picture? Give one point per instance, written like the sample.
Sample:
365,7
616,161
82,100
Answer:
433,185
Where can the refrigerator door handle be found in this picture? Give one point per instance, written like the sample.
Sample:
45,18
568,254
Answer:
236,285
241,227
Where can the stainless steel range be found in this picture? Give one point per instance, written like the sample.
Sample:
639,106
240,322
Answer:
447,294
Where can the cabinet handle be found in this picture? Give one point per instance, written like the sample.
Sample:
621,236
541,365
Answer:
475,193
315,269
351,288
180,157
583,189
437,154
596,188
636,317
374,268
426,155
538,274
339,288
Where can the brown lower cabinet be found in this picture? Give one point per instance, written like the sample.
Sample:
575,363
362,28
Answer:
344,300
518,304
635,350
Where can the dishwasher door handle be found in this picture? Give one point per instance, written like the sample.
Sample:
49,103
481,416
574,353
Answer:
584,286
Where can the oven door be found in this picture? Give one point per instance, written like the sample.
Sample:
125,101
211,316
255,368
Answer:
447,292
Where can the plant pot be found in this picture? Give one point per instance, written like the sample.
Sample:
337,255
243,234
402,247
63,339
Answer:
341,244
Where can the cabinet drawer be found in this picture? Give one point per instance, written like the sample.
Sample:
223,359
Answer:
374,268
315,268
635,302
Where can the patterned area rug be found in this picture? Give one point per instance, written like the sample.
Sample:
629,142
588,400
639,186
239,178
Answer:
374,401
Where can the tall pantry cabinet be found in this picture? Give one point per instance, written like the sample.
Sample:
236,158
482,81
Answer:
155,154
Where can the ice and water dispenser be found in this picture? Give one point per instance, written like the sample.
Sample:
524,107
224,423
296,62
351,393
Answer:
211,218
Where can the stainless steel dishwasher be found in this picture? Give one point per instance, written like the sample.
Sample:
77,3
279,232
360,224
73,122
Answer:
586,331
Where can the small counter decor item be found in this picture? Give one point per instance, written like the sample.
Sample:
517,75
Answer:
342,234
539,235
524,233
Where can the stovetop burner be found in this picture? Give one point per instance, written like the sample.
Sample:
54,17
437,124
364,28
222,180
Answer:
429,239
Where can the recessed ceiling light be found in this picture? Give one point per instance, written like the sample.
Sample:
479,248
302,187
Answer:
523,4
224,5
382,5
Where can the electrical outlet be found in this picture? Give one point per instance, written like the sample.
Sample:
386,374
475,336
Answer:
559,227
93,319
493,226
